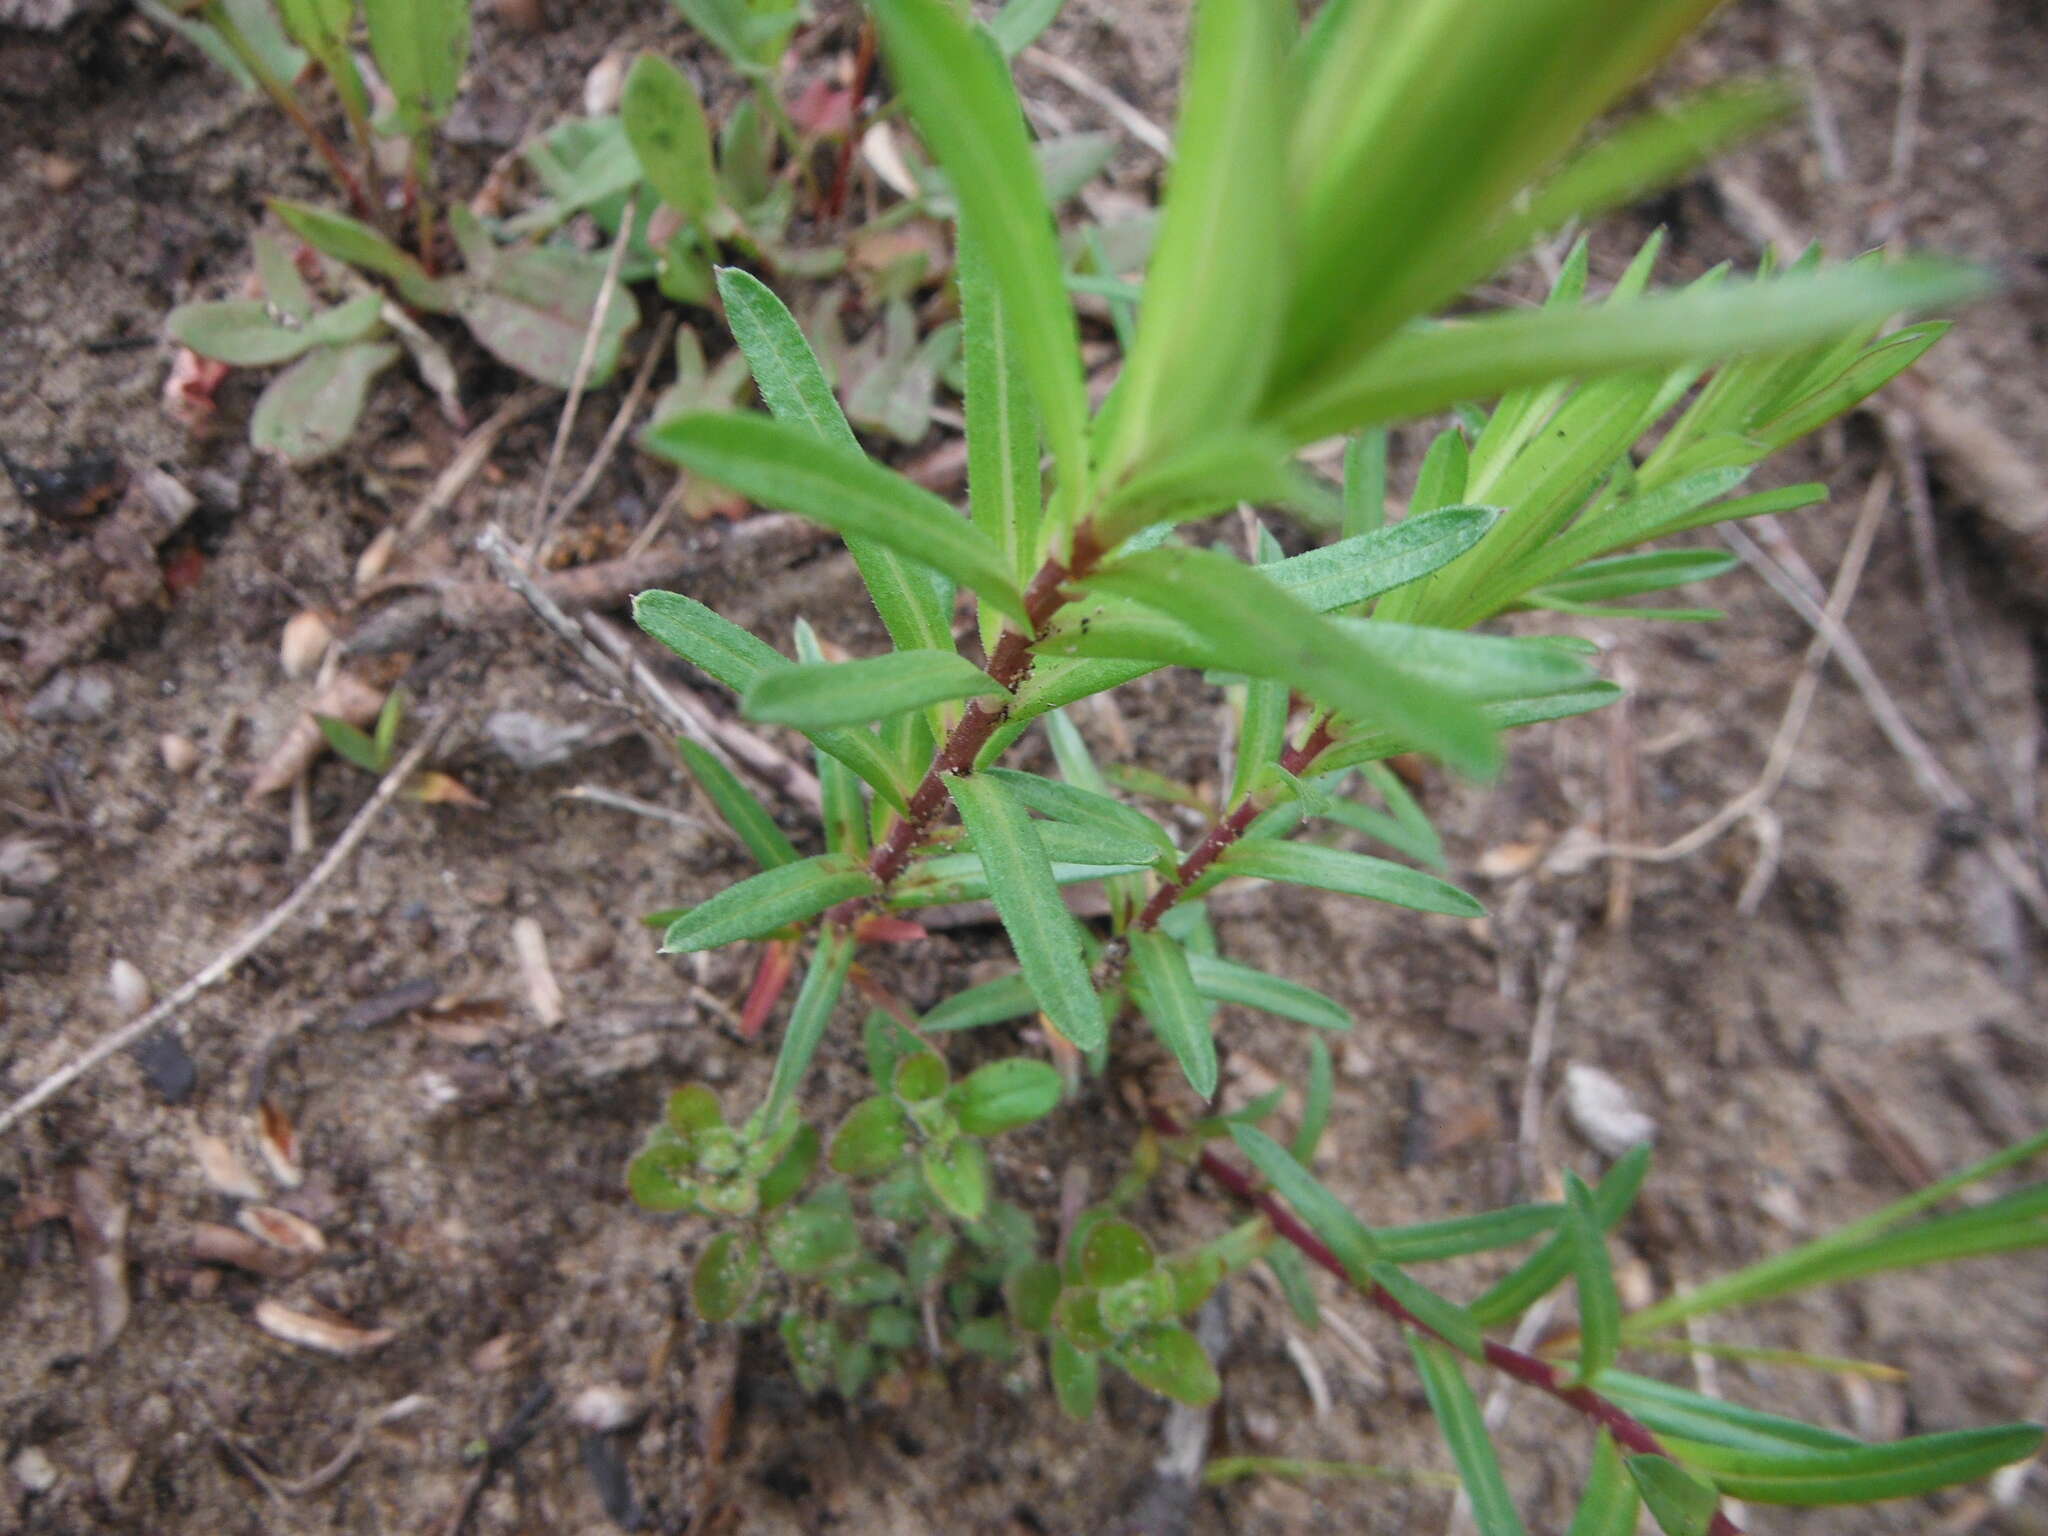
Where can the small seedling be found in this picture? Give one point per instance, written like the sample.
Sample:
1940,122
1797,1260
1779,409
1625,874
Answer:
1333,186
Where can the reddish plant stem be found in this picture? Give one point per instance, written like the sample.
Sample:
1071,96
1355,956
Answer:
1227,831
1009,666
863,70
1628,1431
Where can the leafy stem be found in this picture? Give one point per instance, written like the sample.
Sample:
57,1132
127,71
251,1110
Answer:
287,101
1628,1431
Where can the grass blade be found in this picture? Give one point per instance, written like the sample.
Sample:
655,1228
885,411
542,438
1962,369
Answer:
1043,933
819,995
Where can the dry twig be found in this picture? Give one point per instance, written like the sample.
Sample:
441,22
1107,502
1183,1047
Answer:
1083,84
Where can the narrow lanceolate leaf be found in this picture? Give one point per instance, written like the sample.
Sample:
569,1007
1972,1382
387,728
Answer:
708,640
1042,931
1352,874
1165,993
1325,1214
1862,1474
1548,1266
1179,386
421,47
1007,997
1464,1430
746,815
1680,1503
1448,1321
1225,981
1017,25
1593,1276
780,465
1363,566
1256,627
1657,570
1083,808
664,122
966,107
1003,485
768,901
1610,1503
1425,370
841,808
352,241
823,983
874,688
1315,1106
915,604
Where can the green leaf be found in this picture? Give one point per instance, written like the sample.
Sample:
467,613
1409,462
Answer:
243,333
1075,1379
871,1139
1376,746
809,1238
1365,470
1018,24
780,1184
311,409
1115,1253
1044,934
1084,808
664,121
725,1275
1464,1430
1628,575
1179,387
747,816
1424,370
692,1108
1680,1503
1031,1291
915,604
1225,981
1548,1266
1352,874
958,1177
1315,1106
659,1176
708,640
1441,480
779,465
1450,1322
1678,1413
1171,1361
919,1078
1004,493
959,877
1361,567
1004,1095
1257,628
1610,1504
532,307
1296,1282
762,903
420,47
991,1002
1599,1303
966,107
873,688
1165,993
815,1000
1348,1237
1862,1474
350,743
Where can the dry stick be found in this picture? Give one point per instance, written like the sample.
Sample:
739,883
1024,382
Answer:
544,521
1127,117
1542,1037
223,963
621,420
607,654
1793,723
1629,1432
1912,77
1934,780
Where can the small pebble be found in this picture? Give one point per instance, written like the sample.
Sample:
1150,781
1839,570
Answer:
168,1066
35,1471
1603,1111
180,753
129,989
530,742
305,641
606,1408
71,698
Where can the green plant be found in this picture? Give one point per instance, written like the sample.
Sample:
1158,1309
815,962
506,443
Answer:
1334,185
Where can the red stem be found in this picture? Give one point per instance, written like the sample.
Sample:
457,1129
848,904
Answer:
1227,831
1627,1430
1009,666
